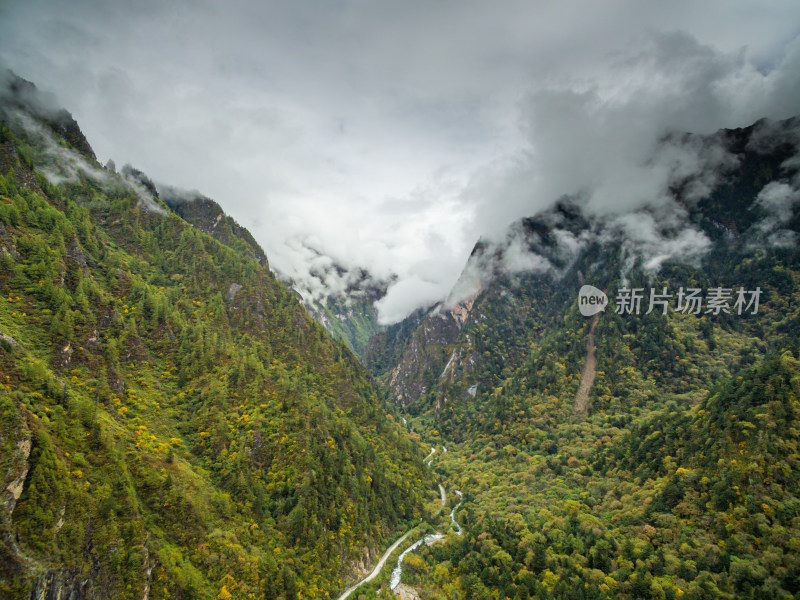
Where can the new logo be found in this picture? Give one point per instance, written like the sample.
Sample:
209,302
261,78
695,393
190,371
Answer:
591,300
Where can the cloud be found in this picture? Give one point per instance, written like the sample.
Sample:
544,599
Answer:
779,200
59,163
646,238
56,162
517,258
615,142
392,136
407,295
605,138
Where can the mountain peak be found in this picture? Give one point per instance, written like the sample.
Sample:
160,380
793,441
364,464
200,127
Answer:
21,94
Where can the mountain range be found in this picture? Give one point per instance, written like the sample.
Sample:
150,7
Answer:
178,422
173,423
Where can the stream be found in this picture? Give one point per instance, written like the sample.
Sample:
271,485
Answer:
398,570
397,573
456,526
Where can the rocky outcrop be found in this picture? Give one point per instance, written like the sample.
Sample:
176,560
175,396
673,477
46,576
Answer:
364,564
424,359
9,341
232,291
406,592
64,585
16,473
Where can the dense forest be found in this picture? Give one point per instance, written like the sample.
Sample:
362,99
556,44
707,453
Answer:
173,424
677,476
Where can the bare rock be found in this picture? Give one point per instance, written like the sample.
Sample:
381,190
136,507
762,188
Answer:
406,592
14,489
7,340
233,290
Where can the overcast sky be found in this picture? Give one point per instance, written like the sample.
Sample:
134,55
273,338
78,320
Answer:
391,135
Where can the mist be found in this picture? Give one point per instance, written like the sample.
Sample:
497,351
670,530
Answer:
391,138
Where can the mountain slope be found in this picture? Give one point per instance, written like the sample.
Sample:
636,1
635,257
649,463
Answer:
350,316
677,478
173,424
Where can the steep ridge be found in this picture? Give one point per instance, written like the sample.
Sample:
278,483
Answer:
208,216
172,423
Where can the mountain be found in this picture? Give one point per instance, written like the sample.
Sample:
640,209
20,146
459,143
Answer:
608,398
343,301
172,423
631,453
206,215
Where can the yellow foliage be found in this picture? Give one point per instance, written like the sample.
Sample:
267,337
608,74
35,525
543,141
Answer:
224,594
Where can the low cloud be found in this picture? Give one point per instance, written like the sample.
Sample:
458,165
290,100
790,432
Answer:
643,237
779,200
407,295
61,164
391,137
56,162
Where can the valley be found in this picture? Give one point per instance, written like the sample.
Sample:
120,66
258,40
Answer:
623,455
176,421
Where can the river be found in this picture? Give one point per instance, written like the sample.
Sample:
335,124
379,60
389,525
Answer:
397,573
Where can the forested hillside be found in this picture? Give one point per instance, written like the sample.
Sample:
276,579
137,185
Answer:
172,423
676,475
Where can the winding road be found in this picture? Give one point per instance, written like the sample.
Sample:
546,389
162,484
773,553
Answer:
397,573
377,568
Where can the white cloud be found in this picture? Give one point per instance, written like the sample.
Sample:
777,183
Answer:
391,136
646,238
406,295
778,199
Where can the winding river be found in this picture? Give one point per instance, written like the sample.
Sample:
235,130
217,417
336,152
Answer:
456,526
397,573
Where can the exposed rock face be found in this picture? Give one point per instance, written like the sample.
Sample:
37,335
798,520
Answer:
66,356
17,473
384,350
233,290
424,359
406,592
364,565
64,585
7,339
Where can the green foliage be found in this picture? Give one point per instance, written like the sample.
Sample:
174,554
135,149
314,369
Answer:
199,444
680,479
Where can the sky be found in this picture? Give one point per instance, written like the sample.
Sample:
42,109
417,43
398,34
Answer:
391,136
